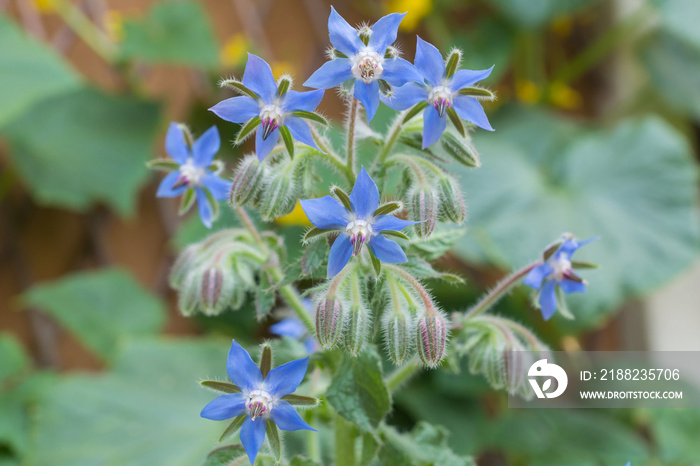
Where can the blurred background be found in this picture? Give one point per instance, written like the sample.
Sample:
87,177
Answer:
596,133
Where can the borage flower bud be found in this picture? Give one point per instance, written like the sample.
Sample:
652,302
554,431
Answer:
246,180
356,328
452,205
431,334
424,209
216,290
189,295
182,266
329,322
278,196
398,334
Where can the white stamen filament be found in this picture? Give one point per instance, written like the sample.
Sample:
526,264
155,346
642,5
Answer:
367,66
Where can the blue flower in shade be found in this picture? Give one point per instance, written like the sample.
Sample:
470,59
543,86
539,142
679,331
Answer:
366,63
294,328
440,92
557,271
195,170
273,109
357,226
260,398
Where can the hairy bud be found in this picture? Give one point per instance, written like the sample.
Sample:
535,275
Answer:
452,206
424,209
431,334
216,290
398,333
188,298
356,327
182,265
278,197
460,148
246,180
329,322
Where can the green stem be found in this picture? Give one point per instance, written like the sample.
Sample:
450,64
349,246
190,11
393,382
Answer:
313,442
388,145
290,295
602,46
86,30
422,292
345,435
329,155
402,374
354,109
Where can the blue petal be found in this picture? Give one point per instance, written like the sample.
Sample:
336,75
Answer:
165,189
300,131
175,144
430,62
570,246
548,299
398,72
339,255
330,74
241,369
308,101
364,197
205,148
325,213
284,379
471,110
218,187
225,407
289,327
263,148
252,436
384,32
406,96
206,211
237,109
310,345
368,94
465,78
386,250
258,78
433,126
571,286
287,418
536,276
343,36
389,222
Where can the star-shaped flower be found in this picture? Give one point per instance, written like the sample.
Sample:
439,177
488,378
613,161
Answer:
364,56
441,92
358,223
260,398
196,172
269,108
556,272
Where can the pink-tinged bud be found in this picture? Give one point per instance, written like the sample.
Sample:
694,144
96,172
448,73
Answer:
246,181
216,290
431,333
398,334
356,329
278,196
424,209
452,205
329,322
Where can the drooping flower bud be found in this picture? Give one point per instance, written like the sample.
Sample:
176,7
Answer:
246,180
460,148
452,205
398,333
278,196
216,290
431,334
356,328
188,297
424,209
183,264
329,322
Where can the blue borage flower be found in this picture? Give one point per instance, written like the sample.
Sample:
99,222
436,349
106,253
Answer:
294,328
358,225
441,92
556,272
364,56
196,171
260,398
272,104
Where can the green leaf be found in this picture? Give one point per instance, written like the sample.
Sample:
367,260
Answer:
426,444
635,186
101,308
264,297
680,17
273,437
388,208
14,359
29,71
250,126
376,263
414,111
675,432
396,234
437,244
145,412
96,155
357,391
219,386
310,116
477,92
288,140
342,196
299,460
172,33
224,456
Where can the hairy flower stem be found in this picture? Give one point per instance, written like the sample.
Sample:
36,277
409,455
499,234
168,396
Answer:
402,374
290,295
422,292
345,435
500,290
354,109
388,145
331,157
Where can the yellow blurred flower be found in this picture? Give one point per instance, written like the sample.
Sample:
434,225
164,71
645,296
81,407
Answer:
295,217
234,51
417,10
565,97
114,23
528,92
280,68
43,6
